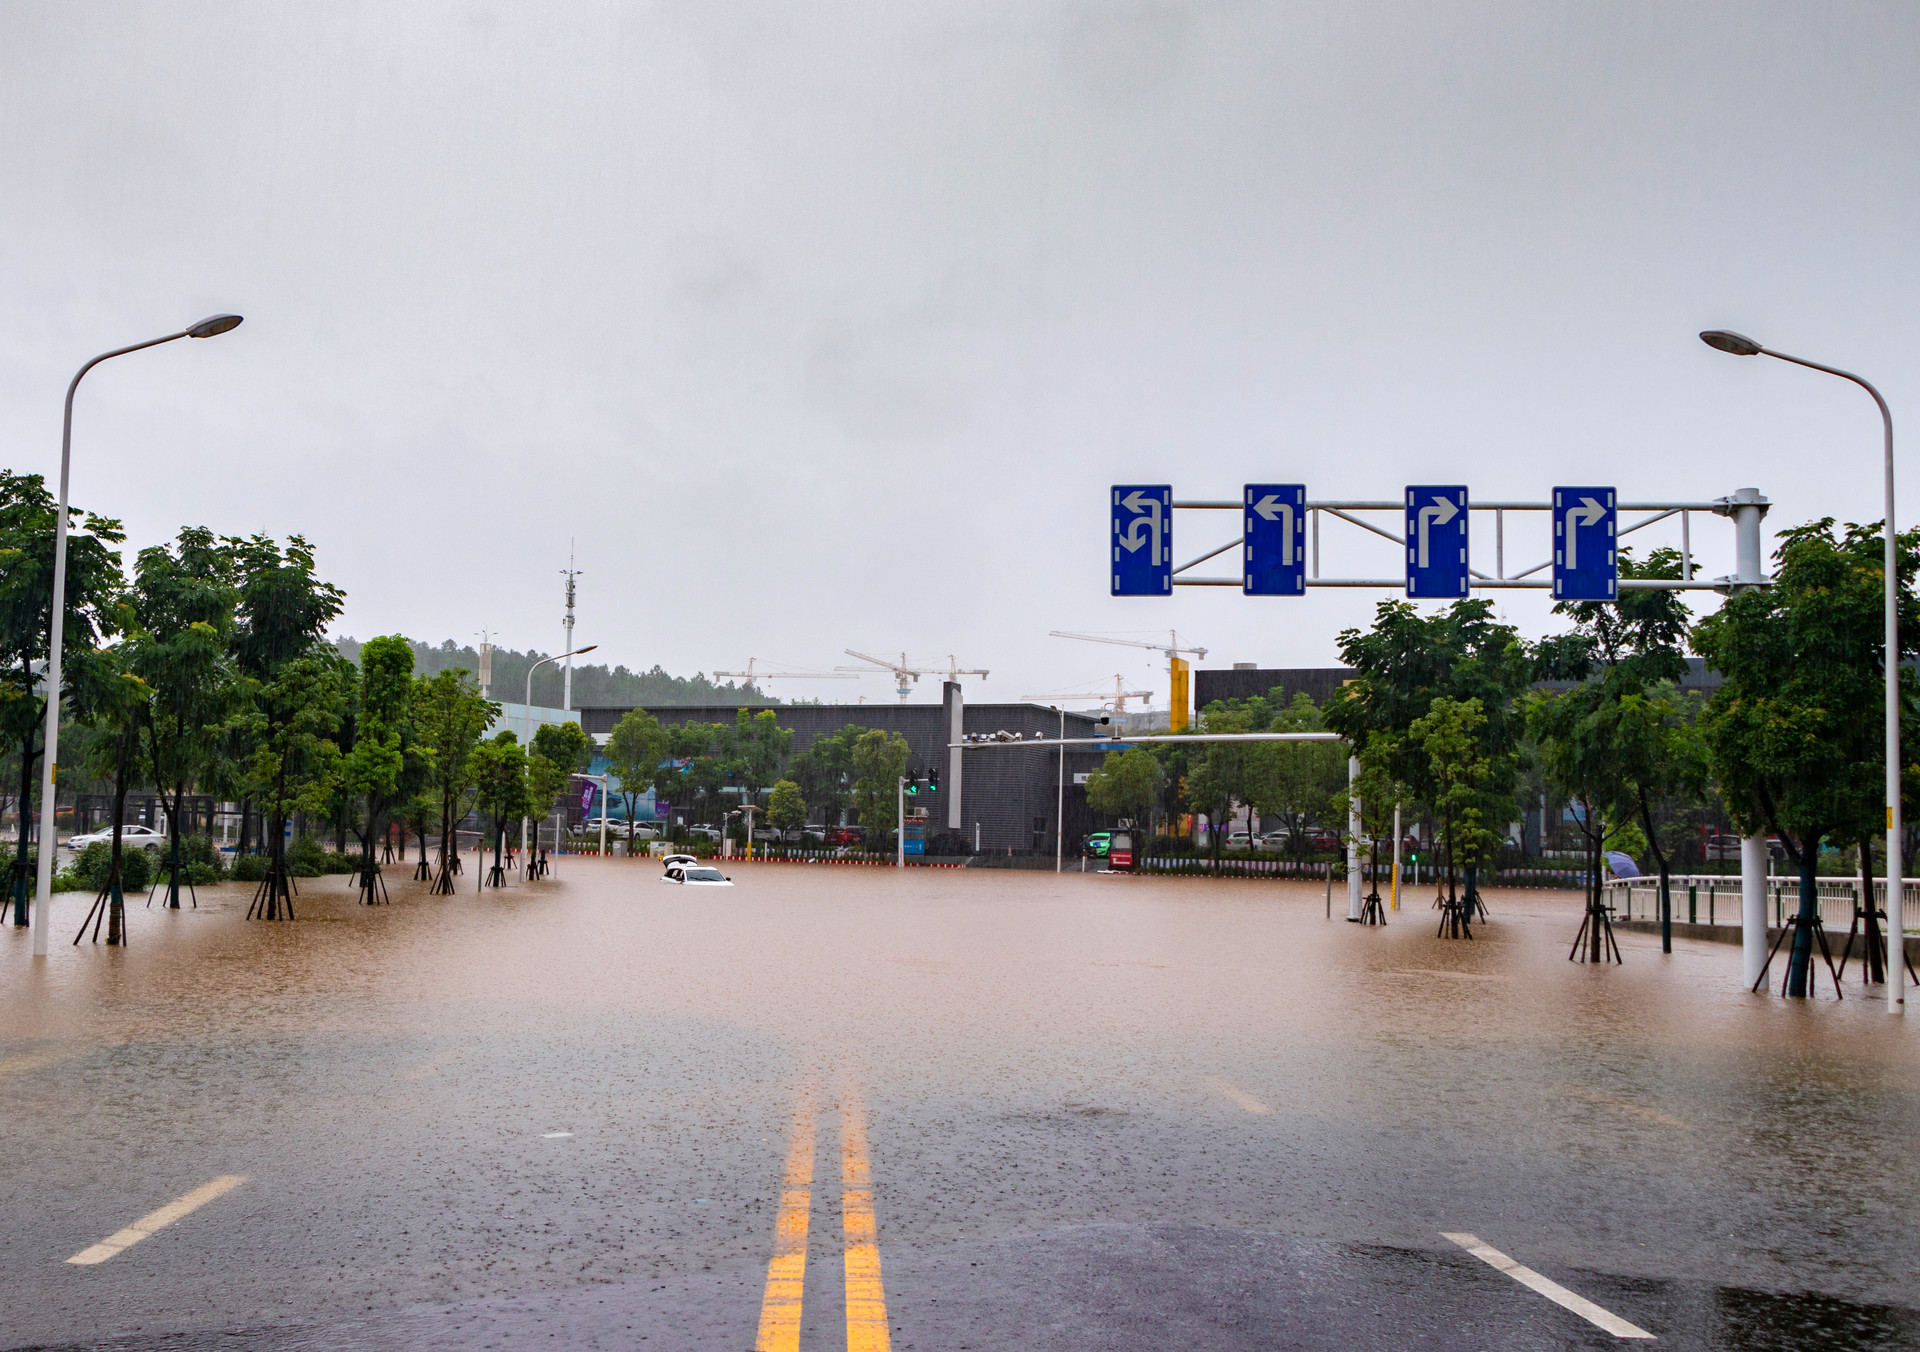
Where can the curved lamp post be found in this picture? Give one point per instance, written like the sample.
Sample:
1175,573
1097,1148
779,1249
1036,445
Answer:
209,327
1742,346
526,722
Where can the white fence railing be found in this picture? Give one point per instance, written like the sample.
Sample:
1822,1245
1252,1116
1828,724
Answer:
1714,899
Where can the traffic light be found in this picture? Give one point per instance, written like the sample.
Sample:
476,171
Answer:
933,782
913,787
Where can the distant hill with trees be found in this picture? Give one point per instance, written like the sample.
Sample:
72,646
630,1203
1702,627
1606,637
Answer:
592,685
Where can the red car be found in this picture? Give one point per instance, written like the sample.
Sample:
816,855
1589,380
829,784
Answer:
844,835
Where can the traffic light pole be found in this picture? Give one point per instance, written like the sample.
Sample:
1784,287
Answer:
900,823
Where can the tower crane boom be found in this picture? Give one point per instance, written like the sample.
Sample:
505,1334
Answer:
903,673
1176,668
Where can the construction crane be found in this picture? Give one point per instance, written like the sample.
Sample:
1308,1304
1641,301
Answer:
1116,700
1176,669
903,673
750,675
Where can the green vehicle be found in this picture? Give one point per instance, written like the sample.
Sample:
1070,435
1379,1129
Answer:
1098,844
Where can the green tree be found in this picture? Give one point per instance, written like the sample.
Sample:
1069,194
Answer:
374,770
1298,782
786,809
565,744
183,612
1794,735
1126,785
1452,750
824,772
1406,663
762,747
117,706
499,769
28,518
546,781
1378,792
295,694
450,716
879,760
635,750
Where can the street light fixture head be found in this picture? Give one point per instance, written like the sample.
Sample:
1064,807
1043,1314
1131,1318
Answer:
213,325
589,648
1726,340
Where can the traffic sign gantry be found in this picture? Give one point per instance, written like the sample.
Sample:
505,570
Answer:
1585,567
1437,541
1274,535
1142,539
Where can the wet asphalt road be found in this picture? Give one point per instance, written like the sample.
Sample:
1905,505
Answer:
1085,1112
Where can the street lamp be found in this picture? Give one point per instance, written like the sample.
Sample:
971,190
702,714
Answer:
209,327
526,723
1740,345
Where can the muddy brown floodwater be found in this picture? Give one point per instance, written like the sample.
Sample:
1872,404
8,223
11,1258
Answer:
847,1107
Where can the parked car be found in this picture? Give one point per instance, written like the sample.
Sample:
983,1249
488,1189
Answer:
767,835
1276,840
710,834
1240,840
1325,842
1098,843
696,875
845,835
130,836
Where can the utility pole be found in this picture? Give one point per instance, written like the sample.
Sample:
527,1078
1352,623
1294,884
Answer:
486,664
566,693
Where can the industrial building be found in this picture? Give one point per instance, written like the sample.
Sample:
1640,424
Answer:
1000,796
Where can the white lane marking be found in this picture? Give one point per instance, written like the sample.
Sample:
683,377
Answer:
555,1135
1547,1287
1236,1094
157,1220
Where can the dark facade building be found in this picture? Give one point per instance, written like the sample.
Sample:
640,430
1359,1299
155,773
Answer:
1245,682
1007,793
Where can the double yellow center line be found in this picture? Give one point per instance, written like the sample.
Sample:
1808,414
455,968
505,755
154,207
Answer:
780,1308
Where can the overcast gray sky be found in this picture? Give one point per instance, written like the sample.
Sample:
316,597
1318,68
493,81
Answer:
827,325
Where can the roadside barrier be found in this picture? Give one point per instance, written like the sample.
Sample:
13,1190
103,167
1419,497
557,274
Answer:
781,855
1700,899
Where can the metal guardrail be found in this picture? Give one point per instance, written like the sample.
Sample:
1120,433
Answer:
1714,899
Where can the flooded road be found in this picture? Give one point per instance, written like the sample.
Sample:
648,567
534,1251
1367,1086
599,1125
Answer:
838,1106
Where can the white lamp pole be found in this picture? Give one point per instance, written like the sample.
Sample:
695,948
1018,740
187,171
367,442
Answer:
1741,346
49,843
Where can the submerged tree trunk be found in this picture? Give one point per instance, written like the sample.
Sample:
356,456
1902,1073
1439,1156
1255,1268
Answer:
1800,960
1596,945
1876,966
1666,885
26,818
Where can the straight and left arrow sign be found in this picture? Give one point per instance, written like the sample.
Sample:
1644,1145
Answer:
1142,540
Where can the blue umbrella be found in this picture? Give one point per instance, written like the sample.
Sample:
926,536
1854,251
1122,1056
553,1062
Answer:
1622,865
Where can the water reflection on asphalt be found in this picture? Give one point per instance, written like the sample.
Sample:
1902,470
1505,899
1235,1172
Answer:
1101,1111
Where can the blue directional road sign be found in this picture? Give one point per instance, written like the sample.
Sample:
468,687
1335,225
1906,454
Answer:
1143,540
1585,567
1274,530
1437,541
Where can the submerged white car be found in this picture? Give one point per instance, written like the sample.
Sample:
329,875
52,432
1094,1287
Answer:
130,836
697,875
